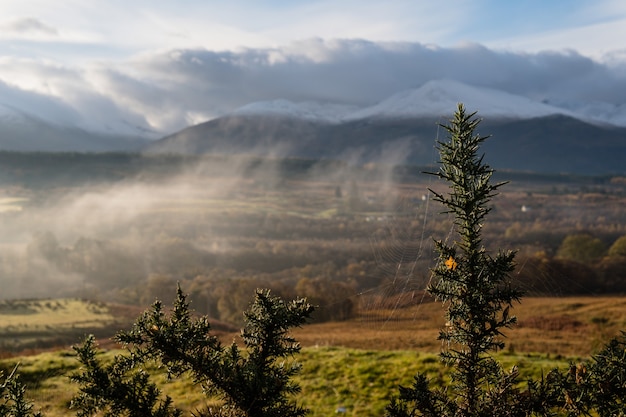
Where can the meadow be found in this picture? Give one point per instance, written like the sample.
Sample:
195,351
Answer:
360,381
354,365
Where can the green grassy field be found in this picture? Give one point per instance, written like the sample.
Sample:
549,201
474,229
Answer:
361,381
39,324
355,365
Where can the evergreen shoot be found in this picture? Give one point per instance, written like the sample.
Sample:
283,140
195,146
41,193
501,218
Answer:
473,285
256,381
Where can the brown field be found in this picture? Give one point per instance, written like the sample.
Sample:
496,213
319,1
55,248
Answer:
565,326
559,326
556,326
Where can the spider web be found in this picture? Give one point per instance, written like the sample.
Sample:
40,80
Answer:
404,254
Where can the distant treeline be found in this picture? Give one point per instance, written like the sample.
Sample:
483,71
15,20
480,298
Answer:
340,281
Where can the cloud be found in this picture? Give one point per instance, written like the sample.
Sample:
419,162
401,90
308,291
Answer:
363,72
65,96
166,91
27,27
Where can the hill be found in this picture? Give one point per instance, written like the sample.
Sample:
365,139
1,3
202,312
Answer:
25,132
548,144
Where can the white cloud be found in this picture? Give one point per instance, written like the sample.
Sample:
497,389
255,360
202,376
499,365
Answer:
590,40
27,27
166,91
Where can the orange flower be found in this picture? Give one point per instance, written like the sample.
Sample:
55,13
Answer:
451,263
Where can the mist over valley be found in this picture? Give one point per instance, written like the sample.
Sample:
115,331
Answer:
126,228
288,208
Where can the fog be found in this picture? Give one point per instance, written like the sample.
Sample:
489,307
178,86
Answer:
96,238
127,229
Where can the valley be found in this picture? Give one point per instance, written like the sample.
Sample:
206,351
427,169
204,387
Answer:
91,240
126,228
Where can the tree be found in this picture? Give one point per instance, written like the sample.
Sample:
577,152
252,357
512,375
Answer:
256,382
618,248
582,248
332,298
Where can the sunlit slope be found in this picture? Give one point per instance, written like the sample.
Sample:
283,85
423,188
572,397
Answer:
52,322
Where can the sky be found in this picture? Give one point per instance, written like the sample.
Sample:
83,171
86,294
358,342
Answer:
156,66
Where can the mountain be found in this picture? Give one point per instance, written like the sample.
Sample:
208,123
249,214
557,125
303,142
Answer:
527,135
439,98
24,132
550,144
548,135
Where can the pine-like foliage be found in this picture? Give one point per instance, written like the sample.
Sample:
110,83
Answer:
596,386
115,389
473,285
255,381
13,402
477,293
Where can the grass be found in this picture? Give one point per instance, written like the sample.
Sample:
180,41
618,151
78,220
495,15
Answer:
48,322
357,380
568,326
354,366
555,326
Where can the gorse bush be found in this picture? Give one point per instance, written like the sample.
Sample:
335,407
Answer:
476,289
116,389
254,382
13,401
474,286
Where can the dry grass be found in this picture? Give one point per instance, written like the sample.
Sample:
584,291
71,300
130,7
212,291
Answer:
565,326
392,344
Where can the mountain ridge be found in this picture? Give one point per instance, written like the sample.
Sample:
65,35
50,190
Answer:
401,129
549,144
25,132
438,98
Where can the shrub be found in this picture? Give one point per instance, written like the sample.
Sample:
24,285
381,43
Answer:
256,382
477,292
13,402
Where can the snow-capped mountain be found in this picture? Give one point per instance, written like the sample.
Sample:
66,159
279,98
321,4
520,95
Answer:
306,110
598,112
551,135
22,131
528,135
438,98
